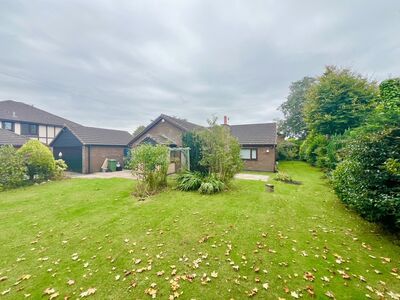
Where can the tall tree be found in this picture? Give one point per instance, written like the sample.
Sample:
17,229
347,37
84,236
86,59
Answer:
293,124
339,100
138,130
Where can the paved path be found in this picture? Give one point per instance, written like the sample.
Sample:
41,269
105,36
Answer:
120,174
252,177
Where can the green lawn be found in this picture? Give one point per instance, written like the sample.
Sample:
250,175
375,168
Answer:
94,233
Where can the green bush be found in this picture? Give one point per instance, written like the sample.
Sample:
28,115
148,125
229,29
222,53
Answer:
189,181
38,159
368,179
211,185
314,147
150,164
220,152
195,181
280,176
60,169
288,150
12,168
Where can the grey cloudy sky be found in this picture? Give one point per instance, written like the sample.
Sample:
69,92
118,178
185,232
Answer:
119,64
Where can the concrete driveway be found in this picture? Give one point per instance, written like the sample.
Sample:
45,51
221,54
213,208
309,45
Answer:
252,177
120,174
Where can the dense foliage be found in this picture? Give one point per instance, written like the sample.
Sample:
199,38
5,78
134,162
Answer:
150,164
211,185
12,168
214,159
288,150
368,178
195,181
193,141
39,160
189,181
353,132
220,152
293,124
339,100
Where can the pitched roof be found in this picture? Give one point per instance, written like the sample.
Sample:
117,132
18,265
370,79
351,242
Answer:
255,134
186,125
180,123
98,136
18,111
8,137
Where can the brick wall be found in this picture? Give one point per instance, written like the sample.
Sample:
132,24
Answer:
163,128
97,156
265,160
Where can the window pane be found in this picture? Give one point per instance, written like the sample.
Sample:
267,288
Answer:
24,129
8,125
253,153
28,129
33,129
245,153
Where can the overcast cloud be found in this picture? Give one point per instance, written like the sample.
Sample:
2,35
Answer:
119,64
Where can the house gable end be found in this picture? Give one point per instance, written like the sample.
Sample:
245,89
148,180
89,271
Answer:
66,138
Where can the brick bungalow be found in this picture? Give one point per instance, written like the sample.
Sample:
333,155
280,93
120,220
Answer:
84,149
258,141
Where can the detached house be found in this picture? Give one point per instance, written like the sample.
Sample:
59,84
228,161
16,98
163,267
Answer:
31,122
83,148
258,141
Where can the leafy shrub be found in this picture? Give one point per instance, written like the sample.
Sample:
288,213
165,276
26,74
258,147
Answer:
368,179
150,164
189,181
211,185
280,176
12,168
220,152
60,168
286,178
314,147
196,181
288,150
38,159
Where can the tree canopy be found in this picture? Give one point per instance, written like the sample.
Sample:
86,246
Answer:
293,124
339,100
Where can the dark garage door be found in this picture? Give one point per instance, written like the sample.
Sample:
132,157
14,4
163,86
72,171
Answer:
72,156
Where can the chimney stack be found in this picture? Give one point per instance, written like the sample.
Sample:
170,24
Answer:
225,120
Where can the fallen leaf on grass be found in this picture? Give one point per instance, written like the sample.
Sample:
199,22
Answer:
25,277
54,295
88,292
309,276
151,291
253,292
71,282
49,291
214,274
329,294
265,286
294,295
5,291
